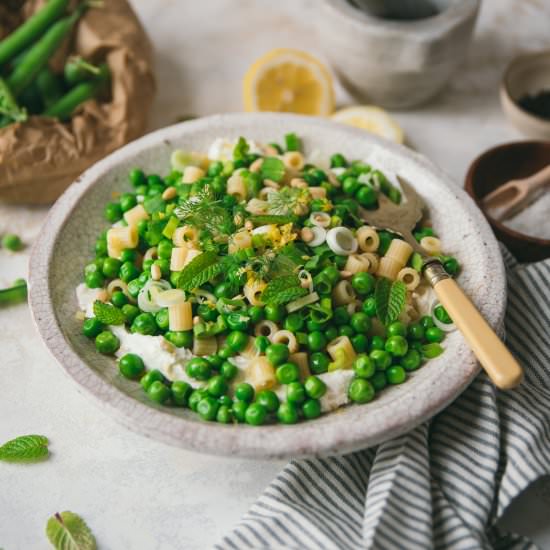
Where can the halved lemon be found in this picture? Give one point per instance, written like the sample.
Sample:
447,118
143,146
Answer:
373,119
291,81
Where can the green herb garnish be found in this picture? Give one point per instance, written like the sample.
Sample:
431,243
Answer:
390,299
26,448
68,531
108,314
240,151
200,270
283,290
272,169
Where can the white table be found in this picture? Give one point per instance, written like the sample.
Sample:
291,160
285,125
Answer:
139,494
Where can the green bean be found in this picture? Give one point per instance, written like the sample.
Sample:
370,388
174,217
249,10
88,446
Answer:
15,294
49,87
64,108
31,30
78,70
41,52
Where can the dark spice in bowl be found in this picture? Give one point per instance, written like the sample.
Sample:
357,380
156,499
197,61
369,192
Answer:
537,104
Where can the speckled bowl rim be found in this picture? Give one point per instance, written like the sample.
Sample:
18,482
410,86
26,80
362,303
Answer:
305,439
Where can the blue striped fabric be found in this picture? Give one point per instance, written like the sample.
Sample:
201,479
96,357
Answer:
443,485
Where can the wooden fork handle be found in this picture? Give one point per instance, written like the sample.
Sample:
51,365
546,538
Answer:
540,179
494,356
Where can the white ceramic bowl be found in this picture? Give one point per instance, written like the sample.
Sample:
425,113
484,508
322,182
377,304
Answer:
66,244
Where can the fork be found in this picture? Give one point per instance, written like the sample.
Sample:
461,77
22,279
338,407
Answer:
494,357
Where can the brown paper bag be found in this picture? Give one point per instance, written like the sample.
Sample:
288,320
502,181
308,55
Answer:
41,157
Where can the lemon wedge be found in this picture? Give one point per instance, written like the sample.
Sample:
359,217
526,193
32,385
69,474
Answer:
373,119
291,81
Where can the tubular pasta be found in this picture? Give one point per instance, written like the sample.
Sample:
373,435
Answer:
432,245
261,374
177,259
287,338
357,264
368,239
205,346
343,293
253,290
410,277
180,317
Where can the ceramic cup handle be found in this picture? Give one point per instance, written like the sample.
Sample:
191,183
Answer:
494,356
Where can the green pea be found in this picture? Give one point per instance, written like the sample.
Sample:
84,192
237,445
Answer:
224,290
144,323
331,332
155,179
106,342
295,392
134,287
396,374
217,386
435,334
338,161
397,329
164,266
226,352
369,307
92,327
277,354
316,341
268,399
440,313
411,360
162,320
195,398
385,240
341,316
397,346
101,247
350,185
287,413
145,276
311,409
130,312
207,312
294,322
237,340
118,298
225,400
180,392
244,392
363,283
237,321
262,343
427,322
224,415
216,361
380,358
451,265
128,255
215,168
131,366
377,342
256,314
159,392
113,212
208,408
366,196
319,362
128,271
12,242
360,322
313,326
228,370
345,330
379,381
360,391
315,387
137,177
164,249
127,201
332,274
275,313
198,368
239,410
96,265
415,331
287,373
152,376
94,279
360,343
255,414
180,339
141,190
143,228
364,366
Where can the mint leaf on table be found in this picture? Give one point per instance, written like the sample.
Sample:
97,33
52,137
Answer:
390,299
26,448
108,314
272,169
68,531
283,290
200,270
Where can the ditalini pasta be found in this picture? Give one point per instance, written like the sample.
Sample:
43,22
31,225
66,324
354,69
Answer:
243,283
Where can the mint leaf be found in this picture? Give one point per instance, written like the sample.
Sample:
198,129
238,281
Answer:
200,270
283,290
269,219
430,351
26,448
154,204
68,531
272,169
241,149
108,314
390,299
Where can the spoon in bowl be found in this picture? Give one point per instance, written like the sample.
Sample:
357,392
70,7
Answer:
508,199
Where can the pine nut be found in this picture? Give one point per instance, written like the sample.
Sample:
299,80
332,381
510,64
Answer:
169,193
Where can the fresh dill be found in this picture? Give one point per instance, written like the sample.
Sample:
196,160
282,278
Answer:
288,201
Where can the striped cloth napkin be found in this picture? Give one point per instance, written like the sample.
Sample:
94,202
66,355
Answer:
445,484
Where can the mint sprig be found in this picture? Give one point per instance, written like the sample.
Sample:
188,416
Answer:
272,169
283,290
26,448
390,299
108,314
68,531
200,270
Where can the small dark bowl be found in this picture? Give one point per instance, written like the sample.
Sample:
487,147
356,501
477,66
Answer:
496,167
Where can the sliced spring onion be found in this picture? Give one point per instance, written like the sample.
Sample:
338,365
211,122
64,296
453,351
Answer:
291,307
342,241
319,236
445,327
147,297
320,219
170,297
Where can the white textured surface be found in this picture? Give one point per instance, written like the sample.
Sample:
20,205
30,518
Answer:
143,495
